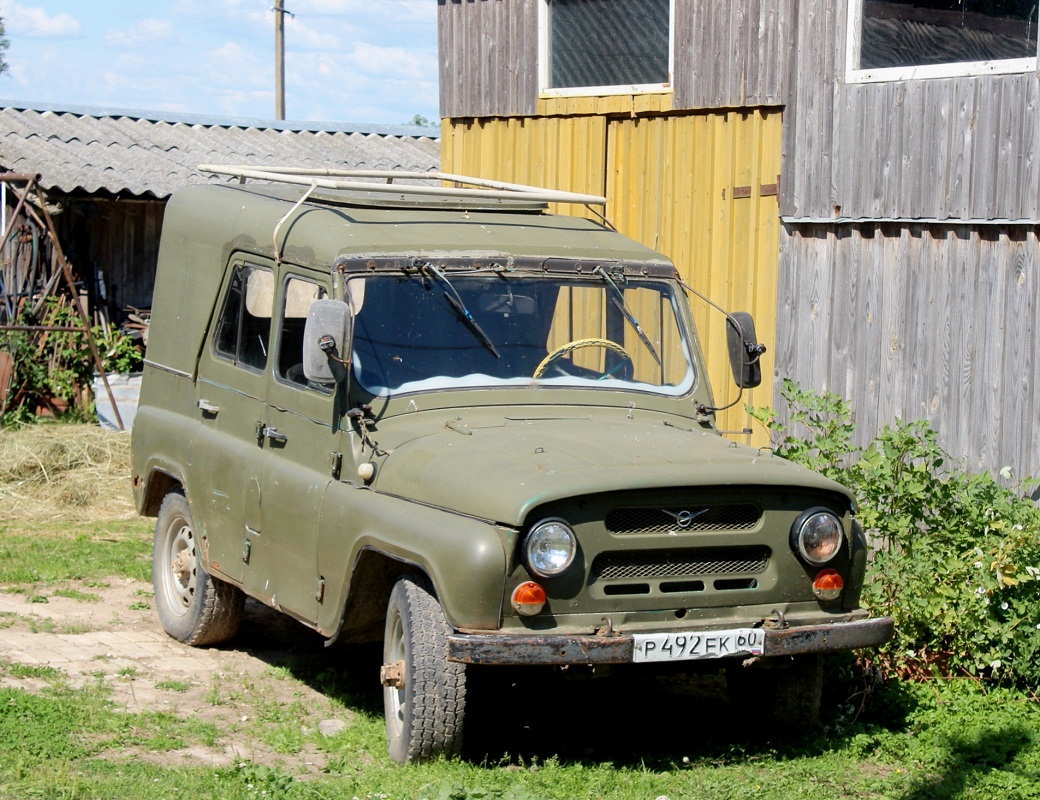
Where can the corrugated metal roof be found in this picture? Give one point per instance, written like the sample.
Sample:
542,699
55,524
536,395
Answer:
150,154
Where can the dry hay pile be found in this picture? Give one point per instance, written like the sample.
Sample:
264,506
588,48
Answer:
64,471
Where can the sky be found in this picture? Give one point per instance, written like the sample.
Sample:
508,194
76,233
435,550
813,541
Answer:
371,61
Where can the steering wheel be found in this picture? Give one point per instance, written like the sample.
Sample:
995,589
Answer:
626,366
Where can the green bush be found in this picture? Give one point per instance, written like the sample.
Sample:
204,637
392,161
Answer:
956,557
54,368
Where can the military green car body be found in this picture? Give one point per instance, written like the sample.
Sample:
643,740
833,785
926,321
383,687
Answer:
315,498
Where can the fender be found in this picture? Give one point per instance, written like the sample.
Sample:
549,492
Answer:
465,558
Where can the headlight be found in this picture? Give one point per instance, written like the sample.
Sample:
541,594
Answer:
817,536
550,547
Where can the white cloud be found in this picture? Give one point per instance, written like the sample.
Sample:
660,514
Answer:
148,30
34,21
301,36
393,62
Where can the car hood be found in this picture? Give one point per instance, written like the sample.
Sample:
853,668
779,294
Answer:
500,467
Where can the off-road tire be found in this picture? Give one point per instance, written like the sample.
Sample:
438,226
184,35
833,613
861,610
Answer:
193,606
424,717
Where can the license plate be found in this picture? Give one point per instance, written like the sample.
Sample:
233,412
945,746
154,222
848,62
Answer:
689,646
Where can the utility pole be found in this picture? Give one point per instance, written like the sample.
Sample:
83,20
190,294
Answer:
279,58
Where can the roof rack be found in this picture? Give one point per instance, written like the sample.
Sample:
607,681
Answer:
354,179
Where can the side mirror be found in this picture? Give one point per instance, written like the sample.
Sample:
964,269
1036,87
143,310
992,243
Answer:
744,349
326,337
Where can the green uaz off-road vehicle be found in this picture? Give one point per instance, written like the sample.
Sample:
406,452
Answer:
478,432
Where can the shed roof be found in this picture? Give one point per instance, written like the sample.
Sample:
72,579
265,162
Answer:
150,154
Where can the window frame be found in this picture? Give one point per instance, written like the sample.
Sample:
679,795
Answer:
955,69
545,65
240,268
281,303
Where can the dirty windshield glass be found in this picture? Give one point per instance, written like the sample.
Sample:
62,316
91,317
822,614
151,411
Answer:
443,330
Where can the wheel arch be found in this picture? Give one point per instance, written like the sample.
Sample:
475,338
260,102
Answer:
372,579
157,485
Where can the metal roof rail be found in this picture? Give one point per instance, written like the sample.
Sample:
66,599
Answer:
333,179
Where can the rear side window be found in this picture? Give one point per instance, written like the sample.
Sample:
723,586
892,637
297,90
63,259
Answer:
244,326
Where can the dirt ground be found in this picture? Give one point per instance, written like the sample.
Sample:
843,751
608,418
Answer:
116,640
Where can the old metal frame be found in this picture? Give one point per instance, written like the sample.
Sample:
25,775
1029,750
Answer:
46,222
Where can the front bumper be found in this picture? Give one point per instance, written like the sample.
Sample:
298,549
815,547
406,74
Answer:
509,649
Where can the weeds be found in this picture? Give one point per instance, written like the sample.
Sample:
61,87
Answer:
957,555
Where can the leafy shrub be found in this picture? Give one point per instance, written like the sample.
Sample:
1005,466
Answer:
52,369
956,555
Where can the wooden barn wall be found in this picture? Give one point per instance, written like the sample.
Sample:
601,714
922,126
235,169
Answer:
117,240
731,53
697,187
957,148
727,55
920,322
488,57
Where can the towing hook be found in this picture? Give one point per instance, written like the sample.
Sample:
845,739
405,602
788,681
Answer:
775,622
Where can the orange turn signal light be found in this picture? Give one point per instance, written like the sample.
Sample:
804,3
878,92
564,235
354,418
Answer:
528,598
828,585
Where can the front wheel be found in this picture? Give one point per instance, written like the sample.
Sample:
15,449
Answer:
193,606
424,694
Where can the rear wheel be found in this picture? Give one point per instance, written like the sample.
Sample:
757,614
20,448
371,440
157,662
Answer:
193,606
424,694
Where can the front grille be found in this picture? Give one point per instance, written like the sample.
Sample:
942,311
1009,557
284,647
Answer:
652,564
737,517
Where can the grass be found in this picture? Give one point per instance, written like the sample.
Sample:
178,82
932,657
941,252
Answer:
944,741
615,739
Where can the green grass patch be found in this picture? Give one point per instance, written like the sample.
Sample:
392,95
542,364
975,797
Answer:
62,552
76,594
917,742
13,669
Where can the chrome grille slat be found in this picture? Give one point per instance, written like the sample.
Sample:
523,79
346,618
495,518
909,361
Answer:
680,564
712,517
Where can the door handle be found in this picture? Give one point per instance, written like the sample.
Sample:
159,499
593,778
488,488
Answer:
207,407
274,435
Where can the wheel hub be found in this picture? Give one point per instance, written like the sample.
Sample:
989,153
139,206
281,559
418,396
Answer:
392,675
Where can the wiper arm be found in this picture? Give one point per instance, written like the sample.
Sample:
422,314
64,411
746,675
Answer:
453,298
619,301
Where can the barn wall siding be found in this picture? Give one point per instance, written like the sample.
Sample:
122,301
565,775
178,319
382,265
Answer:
935,322
727,55
731,54
953,148
489,57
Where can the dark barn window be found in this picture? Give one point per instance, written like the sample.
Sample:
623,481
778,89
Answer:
911,33
608,42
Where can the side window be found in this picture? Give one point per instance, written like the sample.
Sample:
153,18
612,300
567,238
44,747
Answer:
297,299
244,326
906,39
625,44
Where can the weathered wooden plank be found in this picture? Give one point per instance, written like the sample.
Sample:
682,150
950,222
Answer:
942,324
1020,350
489,57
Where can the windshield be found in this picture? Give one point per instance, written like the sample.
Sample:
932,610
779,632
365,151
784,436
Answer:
443,330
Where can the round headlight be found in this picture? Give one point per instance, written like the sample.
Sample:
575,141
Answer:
550,547
817,535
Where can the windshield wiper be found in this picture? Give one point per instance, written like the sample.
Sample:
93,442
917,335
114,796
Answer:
619,301
453,298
